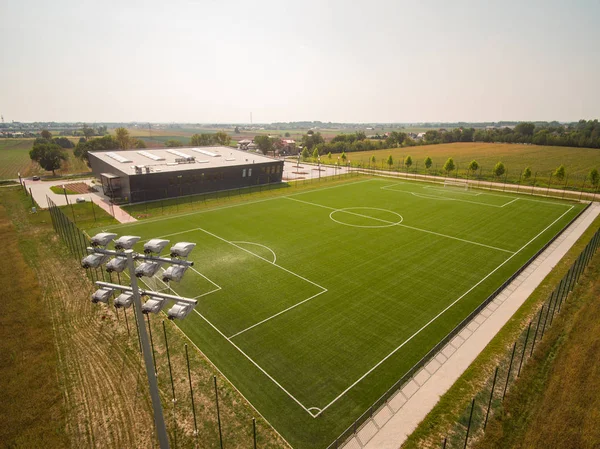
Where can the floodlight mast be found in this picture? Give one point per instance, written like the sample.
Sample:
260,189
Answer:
159,418
124,250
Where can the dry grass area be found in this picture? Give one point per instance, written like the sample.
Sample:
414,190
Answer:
71,371
556,403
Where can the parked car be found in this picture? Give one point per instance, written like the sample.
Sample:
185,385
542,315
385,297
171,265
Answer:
36,178
80,200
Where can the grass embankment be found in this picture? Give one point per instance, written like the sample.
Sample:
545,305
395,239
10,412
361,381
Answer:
31,408
88,215
451,406
516,157
556,402
60,191
98,379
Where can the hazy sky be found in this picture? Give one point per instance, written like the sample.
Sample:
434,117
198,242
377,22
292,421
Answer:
346,61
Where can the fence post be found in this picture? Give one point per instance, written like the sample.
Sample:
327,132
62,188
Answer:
536,330
218,413
487,414
556,300
187,358
524,348
509,369
469,425
547,313
169,361
254,431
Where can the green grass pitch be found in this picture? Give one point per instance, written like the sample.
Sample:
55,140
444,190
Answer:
313,304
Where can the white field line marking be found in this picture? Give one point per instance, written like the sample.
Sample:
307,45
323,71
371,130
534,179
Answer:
277,314
264,246
257,365
443,198
524,196
406,226
441,313
438,189
245,203
510,202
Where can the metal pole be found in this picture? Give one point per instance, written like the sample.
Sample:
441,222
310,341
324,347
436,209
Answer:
469,425
151,343
187,357
533,185
524,349
490,401
218,413
159,419
169,361
509,369
536,330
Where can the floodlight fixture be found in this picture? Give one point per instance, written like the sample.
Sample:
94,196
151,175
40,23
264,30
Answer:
174,273
124,300
118,265
147,269
153,305
102,295
182,249
179,311
155,246
93,260
102,239
126,242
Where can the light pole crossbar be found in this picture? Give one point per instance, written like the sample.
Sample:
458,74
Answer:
148,293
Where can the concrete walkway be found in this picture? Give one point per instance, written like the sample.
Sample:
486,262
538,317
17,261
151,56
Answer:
398,418
41,189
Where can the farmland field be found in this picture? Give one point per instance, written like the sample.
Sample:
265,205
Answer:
14,158
314,303
543,159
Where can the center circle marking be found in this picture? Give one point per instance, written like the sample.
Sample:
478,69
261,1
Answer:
354,211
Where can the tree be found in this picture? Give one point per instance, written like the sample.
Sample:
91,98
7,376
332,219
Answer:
527,173
87,131
264,143
344,157
390,161
201,140
46,134
594,176
428,162
49,155
287,134
123,138
473,166
236,130
222,138
449,165
173,143
560,172
408,162
63,142
525,128
329,156
316,154
499,169
105,143
373,159
138,143
305,153
312,139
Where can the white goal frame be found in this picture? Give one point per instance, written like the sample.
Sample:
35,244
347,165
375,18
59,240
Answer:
456,183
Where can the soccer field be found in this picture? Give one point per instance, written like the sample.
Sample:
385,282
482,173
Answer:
313,304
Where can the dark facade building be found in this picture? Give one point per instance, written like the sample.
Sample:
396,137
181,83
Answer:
143,175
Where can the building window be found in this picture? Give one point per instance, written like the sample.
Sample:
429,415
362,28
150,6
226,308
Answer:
244,173
249,172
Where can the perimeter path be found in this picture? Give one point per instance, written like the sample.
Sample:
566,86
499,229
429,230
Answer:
398,418
41,189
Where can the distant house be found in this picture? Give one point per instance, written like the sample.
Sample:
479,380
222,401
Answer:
243,144
420,136
289,147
